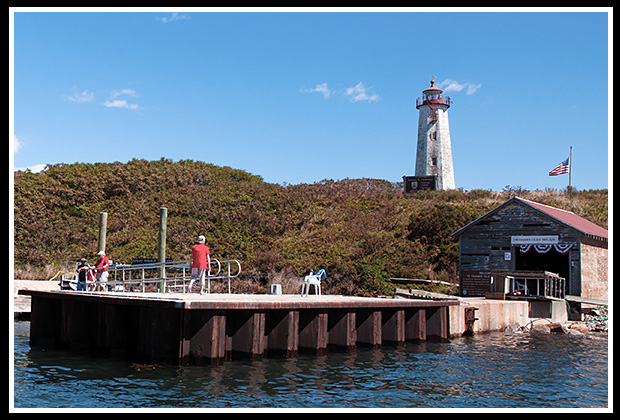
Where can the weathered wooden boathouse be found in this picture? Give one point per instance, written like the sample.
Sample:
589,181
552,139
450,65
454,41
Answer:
524,236
193,329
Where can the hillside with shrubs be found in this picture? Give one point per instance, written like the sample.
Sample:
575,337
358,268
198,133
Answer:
361,231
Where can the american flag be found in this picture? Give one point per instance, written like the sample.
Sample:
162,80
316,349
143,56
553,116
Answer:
562,168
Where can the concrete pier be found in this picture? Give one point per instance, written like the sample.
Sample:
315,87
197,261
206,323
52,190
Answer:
194,329
490,315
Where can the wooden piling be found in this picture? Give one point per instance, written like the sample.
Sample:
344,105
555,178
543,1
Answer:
342,328
281,331
192,329
415,324
369,328
103,227
161,243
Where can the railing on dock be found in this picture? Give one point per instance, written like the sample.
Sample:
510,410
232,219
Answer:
172,276
528,284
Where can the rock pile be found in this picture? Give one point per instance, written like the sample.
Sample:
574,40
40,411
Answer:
596,319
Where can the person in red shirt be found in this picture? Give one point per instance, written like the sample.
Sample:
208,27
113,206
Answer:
101,270
200,263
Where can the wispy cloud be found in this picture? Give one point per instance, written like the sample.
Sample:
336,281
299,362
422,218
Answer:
16,144
356,93
173,17
321,88
34,168
360,92
117,93
84,96
450,85
116,102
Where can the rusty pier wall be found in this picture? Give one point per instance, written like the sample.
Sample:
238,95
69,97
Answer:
192,329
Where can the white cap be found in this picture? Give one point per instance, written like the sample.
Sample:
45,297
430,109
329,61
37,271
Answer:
201,239
100,253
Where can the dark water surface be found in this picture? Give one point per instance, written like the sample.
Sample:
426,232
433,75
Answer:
499,370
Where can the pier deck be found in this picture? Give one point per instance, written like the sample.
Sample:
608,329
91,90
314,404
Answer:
194,329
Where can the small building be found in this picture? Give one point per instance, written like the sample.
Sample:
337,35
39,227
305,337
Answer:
524,236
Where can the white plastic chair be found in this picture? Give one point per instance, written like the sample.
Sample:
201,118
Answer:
313,279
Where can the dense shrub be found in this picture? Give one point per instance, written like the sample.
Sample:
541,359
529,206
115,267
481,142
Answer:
362,231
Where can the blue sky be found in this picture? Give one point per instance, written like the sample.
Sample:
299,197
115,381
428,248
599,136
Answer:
301,97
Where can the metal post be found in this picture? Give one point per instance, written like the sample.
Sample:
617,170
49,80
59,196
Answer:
161,252
228,277
570,172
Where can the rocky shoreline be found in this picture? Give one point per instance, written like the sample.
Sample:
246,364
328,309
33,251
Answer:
595,321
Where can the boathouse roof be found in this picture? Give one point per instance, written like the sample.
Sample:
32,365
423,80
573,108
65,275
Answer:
565,217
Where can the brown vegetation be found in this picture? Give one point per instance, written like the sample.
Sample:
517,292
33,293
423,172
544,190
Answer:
362,231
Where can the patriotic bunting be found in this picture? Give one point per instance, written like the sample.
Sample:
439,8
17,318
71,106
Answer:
543,249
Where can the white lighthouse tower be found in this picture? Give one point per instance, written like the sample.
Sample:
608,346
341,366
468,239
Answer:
434,151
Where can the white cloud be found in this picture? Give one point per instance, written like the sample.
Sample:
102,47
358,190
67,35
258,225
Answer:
114,102
117,93
356,93
34,168
450,85
322,89
359,92
84,96
471,88
173,17
120,103
16,144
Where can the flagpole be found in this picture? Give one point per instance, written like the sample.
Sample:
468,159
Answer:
570,169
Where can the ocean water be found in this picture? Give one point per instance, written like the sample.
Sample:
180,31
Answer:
497,370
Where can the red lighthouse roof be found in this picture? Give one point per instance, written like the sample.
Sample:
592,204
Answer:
433,96
432,88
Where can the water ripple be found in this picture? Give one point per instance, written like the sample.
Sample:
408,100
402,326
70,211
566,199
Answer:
499,370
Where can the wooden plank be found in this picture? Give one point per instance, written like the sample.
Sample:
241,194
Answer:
44,325
586,300
163,328
369,328
406,281
281,330
247,332
154,338
437,324
313,333
237,302
393,325
423,294
204,337
415,324
342,329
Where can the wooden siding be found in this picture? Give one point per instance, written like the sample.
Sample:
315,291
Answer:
483,244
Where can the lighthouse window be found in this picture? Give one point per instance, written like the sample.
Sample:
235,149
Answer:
434,161
433,135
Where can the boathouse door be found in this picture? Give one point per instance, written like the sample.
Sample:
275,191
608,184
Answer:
543,257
